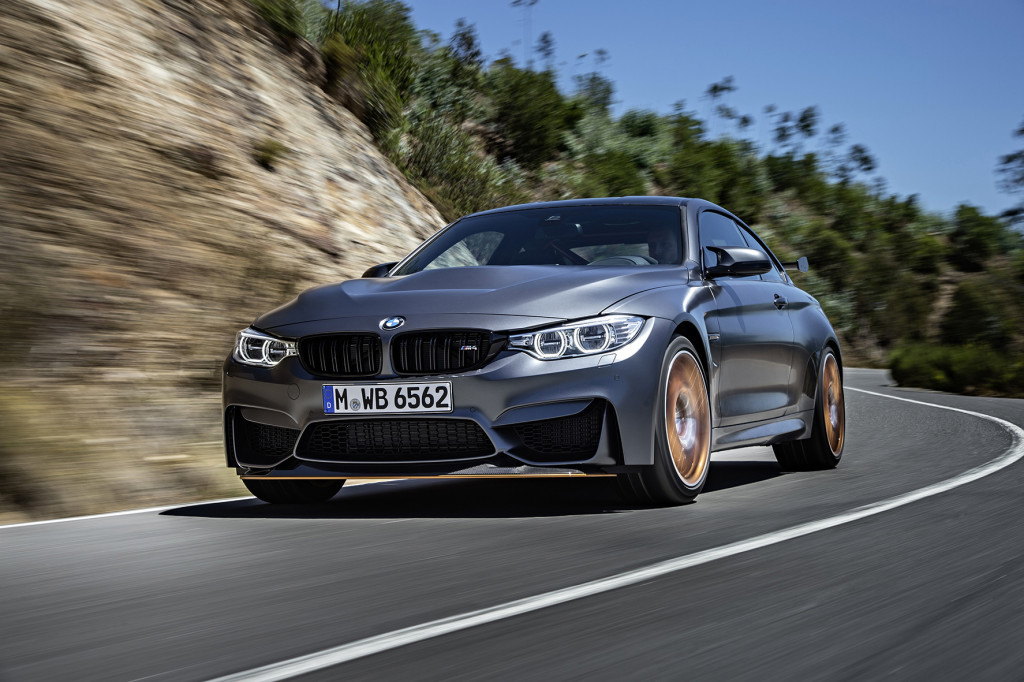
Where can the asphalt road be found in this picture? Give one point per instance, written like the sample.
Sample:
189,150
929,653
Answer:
933,589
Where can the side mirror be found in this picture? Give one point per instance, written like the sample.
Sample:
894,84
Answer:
799,264
380,270
738,261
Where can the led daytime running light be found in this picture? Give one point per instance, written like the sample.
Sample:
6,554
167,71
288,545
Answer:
261,350
587,337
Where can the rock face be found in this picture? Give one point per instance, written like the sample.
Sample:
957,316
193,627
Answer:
167,171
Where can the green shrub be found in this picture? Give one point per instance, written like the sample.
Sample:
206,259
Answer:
447,86
528,113
977,316
448,165
827,251
283,16
267,152
611,174
958,369
975,237
341,70
636,123
383,39
1018,265
928,253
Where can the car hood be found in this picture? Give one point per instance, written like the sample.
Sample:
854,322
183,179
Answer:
541,293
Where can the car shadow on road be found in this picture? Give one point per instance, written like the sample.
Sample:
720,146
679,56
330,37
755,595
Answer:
732,474
477,498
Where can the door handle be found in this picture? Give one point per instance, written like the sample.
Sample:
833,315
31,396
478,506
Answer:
781,302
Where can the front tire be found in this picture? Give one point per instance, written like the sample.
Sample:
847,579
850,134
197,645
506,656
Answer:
283,491
824,448
682,449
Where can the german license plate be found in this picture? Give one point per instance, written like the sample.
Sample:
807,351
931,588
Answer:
388,398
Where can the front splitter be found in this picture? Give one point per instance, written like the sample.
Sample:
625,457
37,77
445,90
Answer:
479,471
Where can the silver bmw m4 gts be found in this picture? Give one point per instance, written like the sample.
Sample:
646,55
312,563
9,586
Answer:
625,337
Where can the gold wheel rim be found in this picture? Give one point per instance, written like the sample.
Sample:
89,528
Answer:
834,404
687,418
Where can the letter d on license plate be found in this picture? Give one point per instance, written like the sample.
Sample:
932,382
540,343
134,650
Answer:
387,398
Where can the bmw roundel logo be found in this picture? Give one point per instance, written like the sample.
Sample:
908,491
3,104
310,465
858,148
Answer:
392,322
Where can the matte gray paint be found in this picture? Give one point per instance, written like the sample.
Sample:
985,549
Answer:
762,370
548,291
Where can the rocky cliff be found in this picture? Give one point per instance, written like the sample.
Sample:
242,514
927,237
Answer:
166,172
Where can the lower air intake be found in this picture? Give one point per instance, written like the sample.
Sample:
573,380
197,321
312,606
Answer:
565,439
261,444
394,440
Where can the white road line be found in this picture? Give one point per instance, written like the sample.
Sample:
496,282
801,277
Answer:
155,510
125,512
417,633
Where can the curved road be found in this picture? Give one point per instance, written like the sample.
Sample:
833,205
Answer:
930,589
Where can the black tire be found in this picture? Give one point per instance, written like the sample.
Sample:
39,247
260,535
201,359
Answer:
283,491
682,430
824,448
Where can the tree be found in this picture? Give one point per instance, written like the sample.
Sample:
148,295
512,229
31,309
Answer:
465,46
857,160
448,80
381,32
637,123
807,123
862,159
546,49
834,140
975,317
529,113
717,90
612,173
725,112
595,90
975,237
526,5
1011,176
784,129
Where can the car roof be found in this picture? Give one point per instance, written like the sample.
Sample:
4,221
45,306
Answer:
602,201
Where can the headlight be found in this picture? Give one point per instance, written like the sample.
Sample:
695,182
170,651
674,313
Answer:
588,337
262,350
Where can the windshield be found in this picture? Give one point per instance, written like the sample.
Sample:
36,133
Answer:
579,235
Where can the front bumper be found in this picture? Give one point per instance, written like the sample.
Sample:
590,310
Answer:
531,412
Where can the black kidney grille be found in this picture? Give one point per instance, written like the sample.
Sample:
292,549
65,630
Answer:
440,351
394,440
562,439
342,355
261,444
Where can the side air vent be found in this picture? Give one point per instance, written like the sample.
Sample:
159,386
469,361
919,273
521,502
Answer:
565,439
260,444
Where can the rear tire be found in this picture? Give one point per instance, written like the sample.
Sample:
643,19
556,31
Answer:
824,448
682,422
283,491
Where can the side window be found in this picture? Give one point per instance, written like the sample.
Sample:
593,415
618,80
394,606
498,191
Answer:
776,274
718,230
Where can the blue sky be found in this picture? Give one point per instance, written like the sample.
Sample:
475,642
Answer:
933,89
